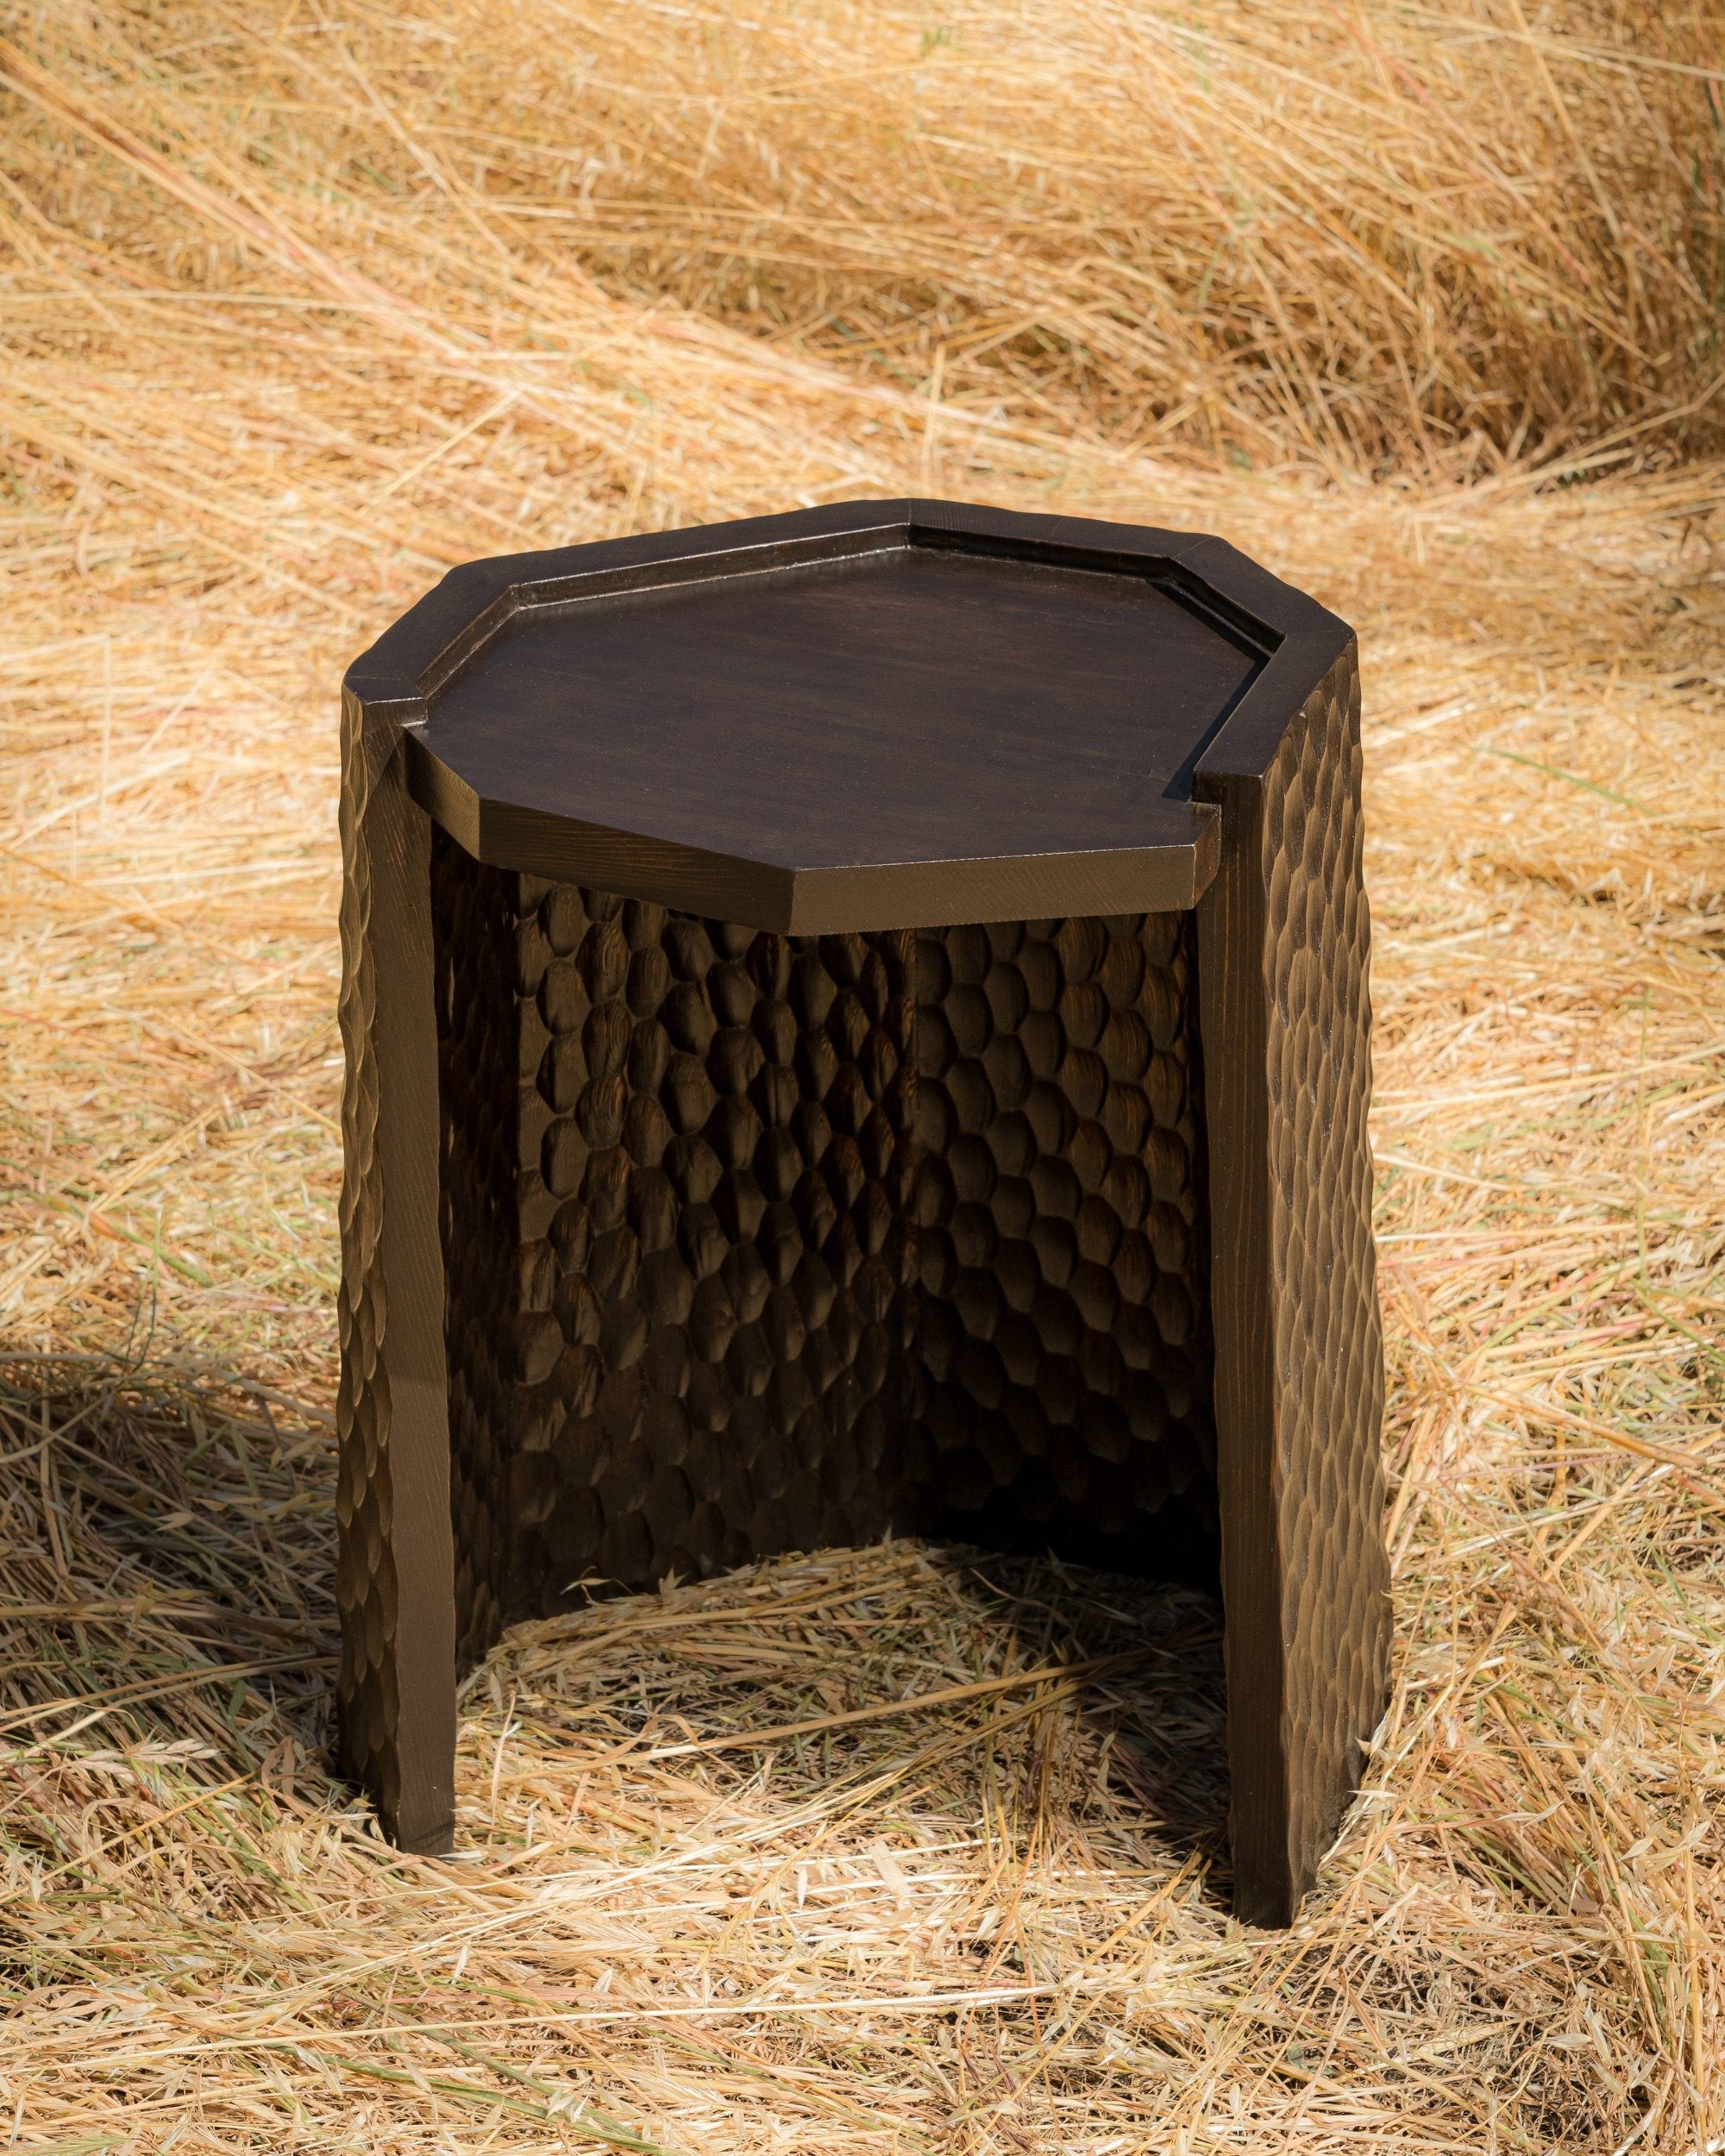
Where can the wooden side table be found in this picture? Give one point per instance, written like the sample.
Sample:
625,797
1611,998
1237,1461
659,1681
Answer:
856,1021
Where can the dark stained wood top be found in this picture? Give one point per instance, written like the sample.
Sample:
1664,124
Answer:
881,715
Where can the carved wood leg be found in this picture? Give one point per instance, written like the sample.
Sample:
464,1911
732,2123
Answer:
395,1570
1283,943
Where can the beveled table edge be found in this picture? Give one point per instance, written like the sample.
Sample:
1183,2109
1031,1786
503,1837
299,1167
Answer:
397,681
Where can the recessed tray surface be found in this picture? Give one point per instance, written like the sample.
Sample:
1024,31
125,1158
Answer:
850,719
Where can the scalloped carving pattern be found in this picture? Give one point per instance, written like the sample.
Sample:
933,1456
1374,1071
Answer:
1065,1310
688,1341
1328,1350
680,1160
475,945
364,1573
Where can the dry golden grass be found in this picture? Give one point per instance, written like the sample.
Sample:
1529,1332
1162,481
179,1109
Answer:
303,303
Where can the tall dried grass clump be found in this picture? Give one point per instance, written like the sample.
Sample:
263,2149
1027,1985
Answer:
301,304
1385,239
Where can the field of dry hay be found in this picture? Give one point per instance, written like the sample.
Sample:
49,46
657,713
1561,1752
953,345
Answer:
303,302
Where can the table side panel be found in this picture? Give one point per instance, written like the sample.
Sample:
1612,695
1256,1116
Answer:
395,1686
1284,944
479,1056
1062,1236
706,1260
1329,1348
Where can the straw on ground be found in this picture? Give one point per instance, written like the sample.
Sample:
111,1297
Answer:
899,1849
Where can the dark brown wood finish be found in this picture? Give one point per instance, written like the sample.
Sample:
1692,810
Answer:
1010,711
1284,945
977,732
806,736
397,1688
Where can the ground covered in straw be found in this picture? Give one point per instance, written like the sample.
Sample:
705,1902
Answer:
903,1849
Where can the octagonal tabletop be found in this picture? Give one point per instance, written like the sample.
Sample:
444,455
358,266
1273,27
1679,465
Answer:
876,715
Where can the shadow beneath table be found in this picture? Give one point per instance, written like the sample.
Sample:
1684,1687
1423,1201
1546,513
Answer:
173,1567
171,1560
1156,1704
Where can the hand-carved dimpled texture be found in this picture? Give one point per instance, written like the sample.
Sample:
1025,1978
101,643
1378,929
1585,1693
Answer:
1064,1319
475,977
695,1319
1329,1365
365,1571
